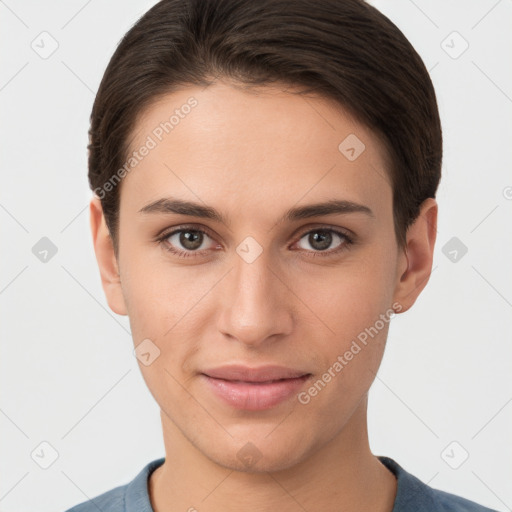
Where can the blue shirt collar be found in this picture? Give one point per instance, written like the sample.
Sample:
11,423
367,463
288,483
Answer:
411,492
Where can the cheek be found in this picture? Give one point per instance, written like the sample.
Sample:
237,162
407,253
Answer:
156,294
350,302
164,305
351,297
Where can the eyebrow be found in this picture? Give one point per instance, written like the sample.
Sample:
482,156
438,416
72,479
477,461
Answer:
332,207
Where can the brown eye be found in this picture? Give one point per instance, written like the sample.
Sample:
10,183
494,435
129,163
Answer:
189,240
324,242
186,242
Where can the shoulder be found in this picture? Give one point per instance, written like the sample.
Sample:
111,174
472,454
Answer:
112,500
415,496
132,496
447,502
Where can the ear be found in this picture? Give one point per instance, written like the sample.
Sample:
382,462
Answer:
415,262
106,258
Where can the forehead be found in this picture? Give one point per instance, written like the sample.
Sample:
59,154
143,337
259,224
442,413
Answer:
262,149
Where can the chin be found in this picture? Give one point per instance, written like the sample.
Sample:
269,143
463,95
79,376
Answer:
261,455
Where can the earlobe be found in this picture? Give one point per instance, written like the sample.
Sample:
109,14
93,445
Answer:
106,258
415,263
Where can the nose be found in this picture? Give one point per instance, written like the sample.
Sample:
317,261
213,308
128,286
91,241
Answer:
257,305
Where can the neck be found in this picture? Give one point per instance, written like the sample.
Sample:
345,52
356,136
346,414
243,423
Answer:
341,474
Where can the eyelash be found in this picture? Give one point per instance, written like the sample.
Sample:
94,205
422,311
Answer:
347,241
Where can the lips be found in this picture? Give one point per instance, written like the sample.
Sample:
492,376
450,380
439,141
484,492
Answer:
254,389
247,374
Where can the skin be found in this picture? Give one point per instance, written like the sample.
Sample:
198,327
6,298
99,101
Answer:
252,155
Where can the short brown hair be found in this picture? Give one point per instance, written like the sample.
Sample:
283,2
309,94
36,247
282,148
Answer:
344,50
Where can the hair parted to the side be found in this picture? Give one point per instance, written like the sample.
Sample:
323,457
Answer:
345,50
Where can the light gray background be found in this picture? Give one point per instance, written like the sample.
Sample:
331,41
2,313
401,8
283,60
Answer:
68,374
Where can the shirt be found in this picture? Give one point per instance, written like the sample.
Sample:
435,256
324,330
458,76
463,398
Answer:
412,495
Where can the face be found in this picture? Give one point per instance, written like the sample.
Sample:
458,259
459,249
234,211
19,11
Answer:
254,275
